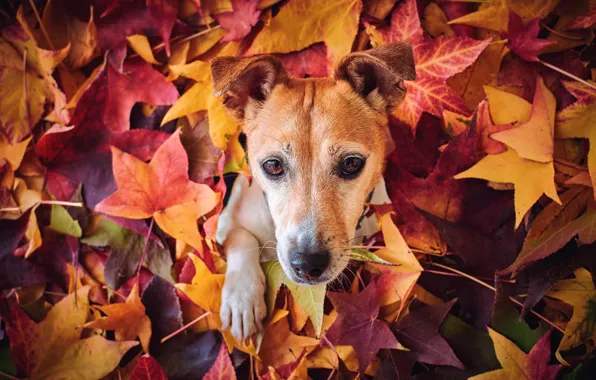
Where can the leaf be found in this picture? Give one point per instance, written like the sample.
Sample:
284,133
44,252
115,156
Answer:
126,248
367,256
81,154
222,368
336,24
203,155
523,39
539,128
506,108
16,271
418,331
280,344
551,242
142,196
582,22
147,368
239,22
311,298
531,179
395,282
435,60
506,321
13,153
516,364
63,223
357,325
128,320
578,292
80,360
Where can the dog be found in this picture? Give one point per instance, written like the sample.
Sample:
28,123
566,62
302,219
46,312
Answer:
316,149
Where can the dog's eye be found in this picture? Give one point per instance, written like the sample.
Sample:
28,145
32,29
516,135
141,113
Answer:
351,166
273,167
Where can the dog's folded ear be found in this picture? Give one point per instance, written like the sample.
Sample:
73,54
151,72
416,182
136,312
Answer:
245,81
378,74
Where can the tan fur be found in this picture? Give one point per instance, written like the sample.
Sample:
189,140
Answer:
313,124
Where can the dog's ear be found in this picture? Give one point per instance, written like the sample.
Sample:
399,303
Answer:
378,74
245,82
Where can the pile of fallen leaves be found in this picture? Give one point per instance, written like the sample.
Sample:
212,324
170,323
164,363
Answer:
113,150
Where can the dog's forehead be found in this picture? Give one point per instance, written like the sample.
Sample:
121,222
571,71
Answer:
324,110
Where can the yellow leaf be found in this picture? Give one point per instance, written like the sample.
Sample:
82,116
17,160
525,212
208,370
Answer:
579,120
27,198
300,24
202,44
13,153
398,281
506,108
128,320
221,125
513,360
193,100
534,140
140,44
88,359
578,292
531,179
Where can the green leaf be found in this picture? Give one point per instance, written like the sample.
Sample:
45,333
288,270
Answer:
310,298
506,321
365,255
63,223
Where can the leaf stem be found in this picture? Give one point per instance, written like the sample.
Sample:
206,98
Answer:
202,316
559,33
10,209
43,29
469,277
144,253
62,203
561,71
9,376
459,275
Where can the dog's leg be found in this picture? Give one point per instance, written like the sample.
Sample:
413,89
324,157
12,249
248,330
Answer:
243,297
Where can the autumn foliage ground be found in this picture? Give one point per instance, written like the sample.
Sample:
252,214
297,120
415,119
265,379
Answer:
113,149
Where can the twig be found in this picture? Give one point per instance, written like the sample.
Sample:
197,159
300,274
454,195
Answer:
62,203
324,338
469,277
178,40
55,294
567,74
458,275
144,253
163,340
10,209
559,33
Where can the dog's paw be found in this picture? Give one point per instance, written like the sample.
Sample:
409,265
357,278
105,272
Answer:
243,304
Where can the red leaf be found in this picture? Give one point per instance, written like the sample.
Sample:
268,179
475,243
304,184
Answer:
311,61
538,360
523,39
82,154
22,332
405,24
222,369
419,332
583,22
239,22
148,368
357,325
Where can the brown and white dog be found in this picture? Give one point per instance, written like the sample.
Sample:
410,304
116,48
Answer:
316,150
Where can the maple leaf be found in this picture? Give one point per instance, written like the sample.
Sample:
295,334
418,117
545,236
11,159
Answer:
144,195
539,128
311,298
335,23
531,179
280,345
128,320
61,352
222,369
126,248
203,155
576,120
81,154
435,61
147,368
516,364
16,271
580,293
523,40
239,22
418,331
395,282
357,325
582,22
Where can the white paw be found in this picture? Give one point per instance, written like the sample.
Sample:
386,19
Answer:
243,303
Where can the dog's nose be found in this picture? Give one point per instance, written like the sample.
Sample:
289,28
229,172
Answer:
309,266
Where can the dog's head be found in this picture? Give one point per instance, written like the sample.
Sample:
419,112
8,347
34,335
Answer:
315,146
